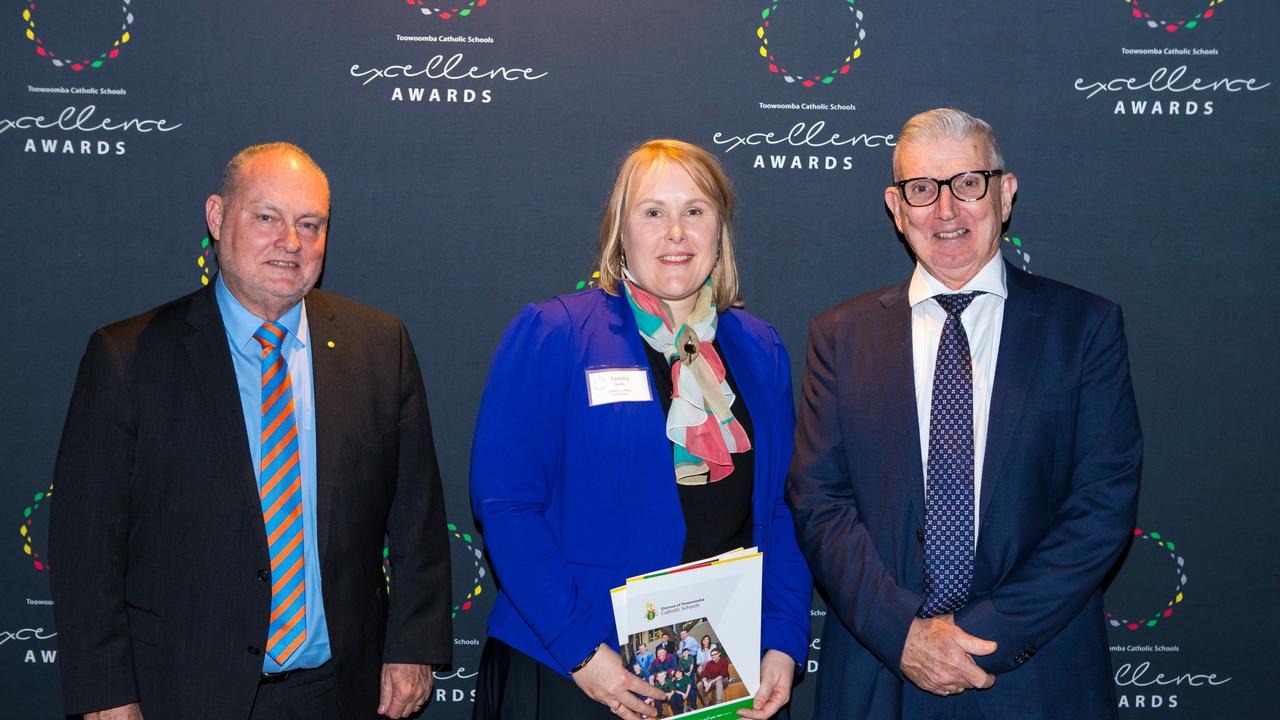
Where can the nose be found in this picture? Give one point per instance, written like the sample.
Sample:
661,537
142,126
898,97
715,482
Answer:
290,240
676,231
944,208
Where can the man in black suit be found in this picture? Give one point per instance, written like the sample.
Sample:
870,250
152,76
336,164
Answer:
230,466
967,462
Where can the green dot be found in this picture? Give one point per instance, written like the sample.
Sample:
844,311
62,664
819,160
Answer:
1169,545
204,241
452,527
39,496
1191,23
464,13
765,14
1155,536
827,80
1152,623
466,537
581,284
96,64
1017,242
26,512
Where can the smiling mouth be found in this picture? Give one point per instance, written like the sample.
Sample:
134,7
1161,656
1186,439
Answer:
285,264
952,234
679,259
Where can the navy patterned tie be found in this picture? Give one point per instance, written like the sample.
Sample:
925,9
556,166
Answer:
948,544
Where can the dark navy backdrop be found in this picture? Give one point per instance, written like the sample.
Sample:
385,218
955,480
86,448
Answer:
470,156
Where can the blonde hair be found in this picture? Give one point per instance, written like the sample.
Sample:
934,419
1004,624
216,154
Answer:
710,179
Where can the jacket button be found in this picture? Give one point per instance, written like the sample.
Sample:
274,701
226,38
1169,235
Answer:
264,575
919,535
253,650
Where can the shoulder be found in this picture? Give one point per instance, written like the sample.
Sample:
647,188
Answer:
849,313
160,324
344,309
1055,297
740,321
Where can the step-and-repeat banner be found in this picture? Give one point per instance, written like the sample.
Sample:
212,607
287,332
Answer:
471,146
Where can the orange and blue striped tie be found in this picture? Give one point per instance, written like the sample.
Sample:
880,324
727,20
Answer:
280,489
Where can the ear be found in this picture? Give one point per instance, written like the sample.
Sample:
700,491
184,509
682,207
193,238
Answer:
213,208
1008,188
894,202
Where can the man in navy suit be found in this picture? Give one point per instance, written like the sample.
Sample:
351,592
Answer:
966,464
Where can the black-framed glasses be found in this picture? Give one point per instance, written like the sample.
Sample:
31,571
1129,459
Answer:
968,186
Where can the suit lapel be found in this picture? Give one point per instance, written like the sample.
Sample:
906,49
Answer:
210,356
898,384
1019,354
327,373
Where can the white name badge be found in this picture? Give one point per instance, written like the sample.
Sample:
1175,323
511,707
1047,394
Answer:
615,385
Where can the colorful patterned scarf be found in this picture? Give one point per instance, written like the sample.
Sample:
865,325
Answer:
700,421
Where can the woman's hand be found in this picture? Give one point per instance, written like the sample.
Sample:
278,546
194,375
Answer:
606,681
777,670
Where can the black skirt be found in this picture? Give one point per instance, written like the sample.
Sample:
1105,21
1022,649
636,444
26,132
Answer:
514,686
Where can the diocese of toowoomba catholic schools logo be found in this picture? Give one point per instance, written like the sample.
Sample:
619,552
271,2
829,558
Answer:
447,11
1158,15
650,612
58,57
805,77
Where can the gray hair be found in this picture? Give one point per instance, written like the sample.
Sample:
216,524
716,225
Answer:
231,173
948,124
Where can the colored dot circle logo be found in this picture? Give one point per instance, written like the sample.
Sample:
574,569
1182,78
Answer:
203,260
26,529
1178,565
776,65
460,10
464,542
1155,20
43,49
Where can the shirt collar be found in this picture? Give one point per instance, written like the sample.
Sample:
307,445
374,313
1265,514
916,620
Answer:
990,279
241,324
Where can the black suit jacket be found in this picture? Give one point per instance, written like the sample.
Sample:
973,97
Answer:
1059,496
157,544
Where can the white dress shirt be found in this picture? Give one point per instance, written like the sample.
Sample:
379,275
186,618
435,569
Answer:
982,322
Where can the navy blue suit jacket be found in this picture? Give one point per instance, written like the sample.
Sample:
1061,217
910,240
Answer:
1058,499
559,487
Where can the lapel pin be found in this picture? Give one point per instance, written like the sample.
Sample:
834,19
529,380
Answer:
330,343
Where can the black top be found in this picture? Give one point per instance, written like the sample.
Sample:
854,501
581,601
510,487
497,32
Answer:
717,516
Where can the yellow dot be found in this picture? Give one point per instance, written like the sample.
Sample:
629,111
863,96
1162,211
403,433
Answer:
26,549
477,591
22,530
124,37
200,261
30,35
204,280
331,344
1178,599
857,53
760,32
764,53
26,15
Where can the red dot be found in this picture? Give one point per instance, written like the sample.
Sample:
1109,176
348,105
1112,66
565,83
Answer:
1168,612
844,70
1208,14
807,83
773,68
481,3
1171,27
77,67
40,51
115,52
1137,13
1132,626
445,15
1137,531
466,606
39,565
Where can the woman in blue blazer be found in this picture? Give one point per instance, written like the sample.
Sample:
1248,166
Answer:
648,395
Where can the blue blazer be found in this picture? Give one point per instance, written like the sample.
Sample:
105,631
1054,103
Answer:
1058,500
558,487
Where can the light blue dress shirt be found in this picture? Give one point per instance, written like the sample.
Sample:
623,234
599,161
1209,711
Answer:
246,356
